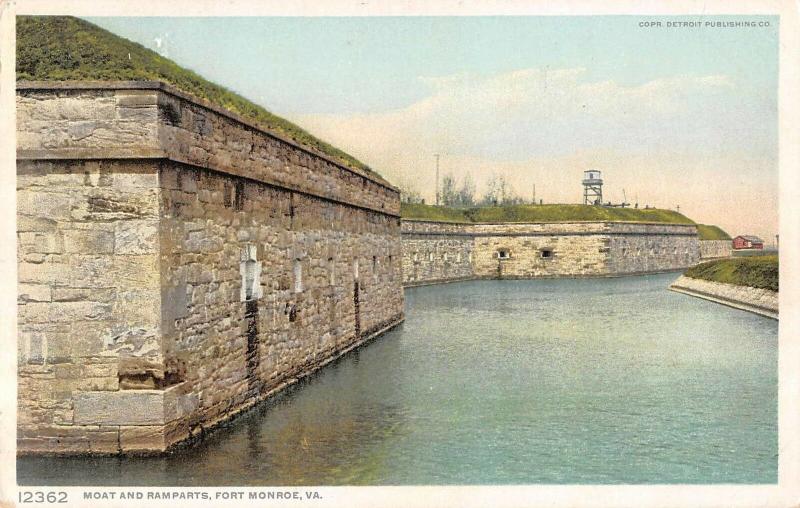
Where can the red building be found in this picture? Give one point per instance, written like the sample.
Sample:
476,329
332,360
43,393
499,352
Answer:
748,242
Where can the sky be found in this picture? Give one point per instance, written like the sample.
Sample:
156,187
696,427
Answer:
672,116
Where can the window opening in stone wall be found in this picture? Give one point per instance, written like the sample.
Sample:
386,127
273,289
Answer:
238,195
416,257
250,271
227,194
249,278
430,256
444,257
332,271
547,253
503,254
375,268
355,270
298,276
458,257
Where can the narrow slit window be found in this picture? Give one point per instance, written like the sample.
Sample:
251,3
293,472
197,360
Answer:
298,276
355,270
547,253
503,254
249,278
332,271
227,196
250,271
238,196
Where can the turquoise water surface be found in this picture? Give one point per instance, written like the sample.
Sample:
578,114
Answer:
505,382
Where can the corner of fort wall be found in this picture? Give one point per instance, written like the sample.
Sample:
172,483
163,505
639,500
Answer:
177,264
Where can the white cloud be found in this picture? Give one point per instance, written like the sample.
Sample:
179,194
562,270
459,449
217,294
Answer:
518,114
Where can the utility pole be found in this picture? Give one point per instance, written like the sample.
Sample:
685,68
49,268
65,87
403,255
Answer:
437,178
534,194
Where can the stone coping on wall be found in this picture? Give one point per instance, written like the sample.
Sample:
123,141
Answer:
411,227
144,133
758,301
171,90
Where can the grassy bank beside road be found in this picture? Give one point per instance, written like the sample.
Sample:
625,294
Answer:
758,272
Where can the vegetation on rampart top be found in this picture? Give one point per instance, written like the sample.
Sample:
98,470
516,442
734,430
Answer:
64,48
540,213
708,232
758,272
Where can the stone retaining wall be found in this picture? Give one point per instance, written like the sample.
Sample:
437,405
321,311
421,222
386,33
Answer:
178,264
441,252
436,252
712,249
759,301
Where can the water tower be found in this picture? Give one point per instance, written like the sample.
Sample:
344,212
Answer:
592,187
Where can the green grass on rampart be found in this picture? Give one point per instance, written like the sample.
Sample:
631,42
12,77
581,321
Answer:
708,232
540,213
64,48
757,272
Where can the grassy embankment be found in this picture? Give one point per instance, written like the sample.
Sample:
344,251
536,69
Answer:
708,232
758,272
555,213
540,213
63,48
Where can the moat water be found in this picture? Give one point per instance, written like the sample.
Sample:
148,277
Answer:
505,382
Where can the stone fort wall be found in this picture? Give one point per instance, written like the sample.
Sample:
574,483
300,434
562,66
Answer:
442,252
436,252
711,249
177,264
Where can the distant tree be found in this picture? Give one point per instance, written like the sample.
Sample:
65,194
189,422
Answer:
466,194
499,192
408,191
513,199
411,197
448,195
491,196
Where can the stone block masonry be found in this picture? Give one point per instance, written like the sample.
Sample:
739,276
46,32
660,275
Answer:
756,300
436,252
714,249
178,264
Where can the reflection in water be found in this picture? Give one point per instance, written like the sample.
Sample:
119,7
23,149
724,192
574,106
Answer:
498,382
